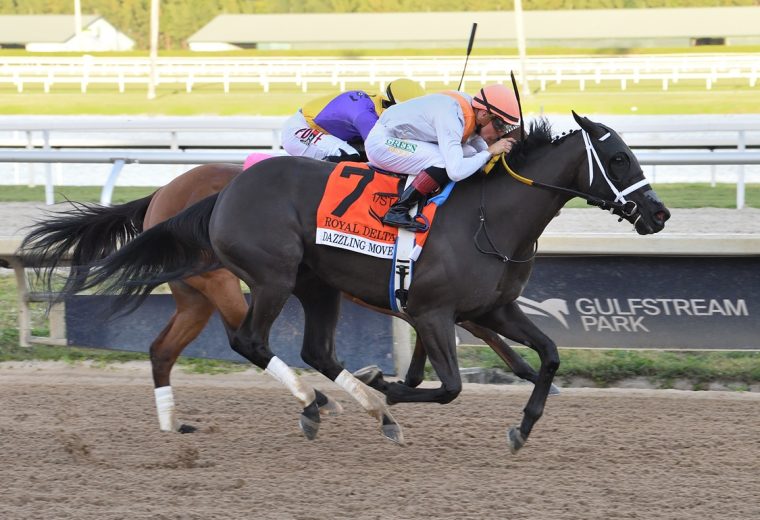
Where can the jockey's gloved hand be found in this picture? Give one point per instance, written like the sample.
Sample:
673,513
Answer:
343,157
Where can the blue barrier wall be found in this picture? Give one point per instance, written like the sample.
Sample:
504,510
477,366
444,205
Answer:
363,338
645,302
602,301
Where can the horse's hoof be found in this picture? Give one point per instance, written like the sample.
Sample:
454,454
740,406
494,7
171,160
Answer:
309,427
515,440
392,430
554,390
186,428
327,405
393,433
369,375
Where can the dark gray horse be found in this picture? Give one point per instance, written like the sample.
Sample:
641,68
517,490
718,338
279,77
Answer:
86,233
475,264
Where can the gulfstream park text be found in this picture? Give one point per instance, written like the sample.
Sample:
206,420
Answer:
614,315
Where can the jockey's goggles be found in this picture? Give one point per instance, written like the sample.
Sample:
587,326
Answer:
501,126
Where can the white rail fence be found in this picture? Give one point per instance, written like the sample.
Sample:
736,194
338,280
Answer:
624,70
119,159
197,140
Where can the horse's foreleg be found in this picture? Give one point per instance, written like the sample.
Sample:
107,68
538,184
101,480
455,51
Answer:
415,374
514,361
321,305
439,339
511,322
192,313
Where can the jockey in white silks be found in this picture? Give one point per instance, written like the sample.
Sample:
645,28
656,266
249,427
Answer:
437,139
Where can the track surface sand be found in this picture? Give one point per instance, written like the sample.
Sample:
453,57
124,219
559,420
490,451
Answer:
83,443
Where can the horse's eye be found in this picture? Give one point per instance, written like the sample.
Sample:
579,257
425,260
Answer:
619,165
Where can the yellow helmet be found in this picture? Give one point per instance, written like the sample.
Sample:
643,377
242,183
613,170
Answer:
400,90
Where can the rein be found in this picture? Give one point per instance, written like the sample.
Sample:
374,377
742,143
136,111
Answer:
627,208
482,227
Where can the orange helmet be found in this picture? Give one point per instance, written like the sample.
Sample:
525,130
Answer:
499,101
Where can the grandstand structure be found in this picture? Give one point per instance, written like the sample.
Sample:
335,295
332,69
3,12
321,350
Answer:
593,28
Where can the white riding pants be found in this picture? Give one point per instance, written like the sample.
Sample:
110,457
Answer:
400,155
298,138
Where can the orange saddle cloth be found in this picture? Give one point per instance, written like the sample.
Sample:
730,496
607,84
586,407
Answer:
350,214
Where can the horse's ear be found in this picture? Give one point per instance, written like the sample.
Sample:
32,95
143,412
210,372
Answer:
587,124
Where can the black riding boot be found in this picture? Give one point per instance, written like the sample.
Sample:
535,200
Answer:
398,214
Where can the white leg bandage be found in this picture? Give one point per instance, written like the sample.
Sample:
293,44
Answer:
167,418
285,375
361,393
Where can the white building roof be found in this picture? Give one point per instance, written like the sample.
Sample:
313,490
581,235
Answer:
58,33
410,29
43,28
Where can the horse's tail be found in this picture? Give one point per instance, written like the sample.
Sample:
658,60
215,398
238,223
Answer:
80,236
174,249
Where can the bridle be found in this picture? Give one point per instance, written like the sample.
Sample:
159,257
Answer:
619,195
626,208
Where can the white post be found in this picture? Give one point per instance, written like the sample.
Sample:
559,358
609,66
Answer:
49,196
78,20
22,294
107,192
30,167
276,139
153,48
740,172
16,166
402,347
520,33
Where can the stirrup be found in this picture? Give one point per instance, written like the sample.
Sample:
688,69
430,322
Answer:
412,224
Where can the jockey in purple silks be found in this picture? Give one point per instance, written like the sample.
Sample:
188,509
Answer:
331,127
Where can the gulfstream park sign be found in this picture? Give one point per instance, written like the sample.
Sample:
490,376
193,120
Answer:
612,314
654,302
616,315
606,302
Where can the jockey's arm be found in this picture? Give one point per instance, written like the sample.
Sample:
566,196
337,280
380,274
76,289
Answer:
364,119
449,129
478,143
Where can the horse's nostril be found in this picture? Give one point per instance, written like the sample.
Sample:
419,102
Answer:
662,216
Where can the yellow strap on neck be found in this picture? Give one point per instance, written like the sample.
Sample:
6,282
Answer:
492,162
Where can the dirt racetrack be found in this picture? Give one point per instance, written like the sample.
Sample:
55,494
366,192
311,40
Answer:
83,443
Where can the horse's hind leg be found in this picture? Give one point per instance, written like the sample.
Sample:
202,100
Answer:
222,288
321,305
512,323
192,313
251,341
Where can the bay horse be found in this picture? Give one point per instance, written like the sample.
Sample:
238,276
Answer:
87,233
262,227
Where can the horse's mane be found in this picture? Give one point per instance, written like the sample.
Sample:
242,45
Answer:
539,135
